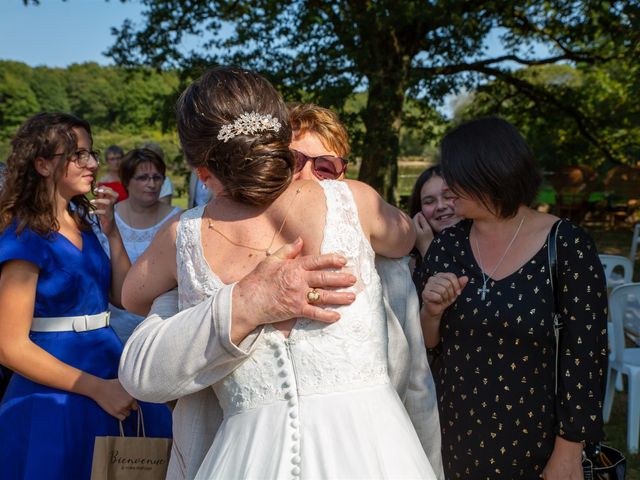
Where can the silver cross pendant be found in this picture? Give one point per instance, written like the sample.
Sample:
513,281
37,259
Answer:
483,292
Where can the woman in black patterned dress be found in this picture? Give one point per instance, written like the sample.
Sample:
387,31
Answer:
488,305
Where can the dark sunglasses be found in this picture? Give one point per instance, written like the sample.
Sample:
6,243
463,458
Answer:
325,167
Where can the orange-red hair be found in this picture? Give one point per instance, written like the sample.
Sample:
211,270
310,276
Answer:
308,117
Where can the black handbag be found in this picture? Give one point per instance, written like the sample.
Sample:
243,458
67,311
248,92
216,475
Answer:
599,461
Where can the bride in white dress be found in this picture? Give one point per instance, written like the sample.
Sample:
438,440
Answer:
313,399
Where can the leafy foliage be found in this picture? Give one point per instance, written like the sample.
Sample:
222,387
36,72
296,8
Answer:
414,49
124,106
604,98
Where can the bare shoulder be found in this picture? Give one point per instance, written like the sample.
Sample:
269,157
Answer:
309,187
170,227
301,193
166,209
165,238
362,191
542,222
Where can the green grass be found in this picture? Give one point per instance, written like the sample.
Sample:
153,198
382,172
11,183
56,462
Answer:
180,202
547,195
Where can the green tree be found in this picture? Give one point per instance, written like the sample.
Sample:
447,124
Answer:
603,99
17,100
49,86
394,50
142,101
94,93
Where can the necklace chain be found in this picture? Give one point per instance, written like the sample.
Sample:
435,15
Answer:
267,250
485,278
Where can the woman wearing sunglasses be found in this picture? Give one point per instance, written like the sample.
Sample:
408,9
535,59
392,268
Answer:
320,143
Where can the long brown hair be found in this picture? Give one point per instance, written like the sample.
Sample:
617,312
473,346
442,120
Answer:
25,198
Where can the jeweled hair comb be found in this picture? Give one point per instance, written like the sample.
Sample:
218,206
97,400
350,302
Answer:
249,124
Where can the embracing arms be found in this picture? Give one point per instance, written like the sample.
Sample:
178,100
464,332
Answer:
173,354
390,231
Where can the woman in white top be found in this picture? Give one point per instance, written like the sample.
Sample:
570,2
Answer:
313,399
139,217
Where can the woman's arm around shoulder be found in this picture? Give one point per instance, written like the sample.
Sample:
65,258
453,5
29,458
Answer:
154,272
390,230
172,354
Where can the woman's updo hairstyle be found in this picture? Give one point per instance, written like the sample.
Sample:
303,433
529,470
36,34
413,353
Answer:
253,168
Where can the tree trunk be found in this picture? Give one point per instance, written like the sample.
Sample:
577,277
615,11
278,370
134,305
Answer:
382,118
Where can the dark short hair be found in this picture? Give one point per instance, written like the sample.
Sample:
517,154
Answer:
488,160
136,157
254,168
113,150
415,202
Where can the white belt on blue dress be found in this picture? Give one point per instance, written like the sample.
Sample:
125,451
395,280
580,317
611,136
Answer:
80,323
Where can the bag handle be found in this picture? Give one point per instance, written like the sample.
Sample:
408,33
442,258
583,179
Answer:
139,426
552,252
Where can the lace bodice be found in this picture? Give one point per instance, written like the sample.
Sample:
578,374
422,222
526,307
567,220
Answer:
316,357
137,240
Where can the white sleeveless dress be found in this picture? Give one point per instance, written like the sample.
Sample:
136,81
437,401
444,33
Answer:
319,403
135,241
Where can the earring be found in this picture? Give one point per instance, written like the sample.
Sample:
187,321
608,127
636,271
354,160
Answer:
202,173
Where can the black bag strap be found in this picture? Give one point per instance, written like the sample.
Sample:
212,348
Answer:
552,250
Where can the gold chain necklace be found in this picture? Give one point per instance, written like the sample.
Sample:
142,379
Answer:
485,278
266,251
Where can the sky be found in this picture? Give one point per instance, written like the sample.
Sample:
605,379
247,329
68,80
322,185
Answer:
57,33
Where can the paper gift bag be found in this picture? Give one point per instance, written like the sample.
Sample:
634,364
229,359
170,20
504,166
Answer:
130,458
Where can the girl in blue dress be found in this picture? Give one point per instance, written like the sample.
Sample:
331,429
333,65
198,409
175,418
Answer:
55,285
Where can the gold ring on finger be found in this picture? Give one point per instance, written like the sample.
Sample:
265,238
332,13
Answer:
313,296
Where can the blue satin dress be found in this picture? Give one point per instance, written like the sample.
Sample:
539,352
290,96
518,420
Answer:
46,433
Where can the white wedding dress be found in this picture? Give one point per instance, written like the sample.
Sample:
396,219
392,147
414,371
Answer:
317,404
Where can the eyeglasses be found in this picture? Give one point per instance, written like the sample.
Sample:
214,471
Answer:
145,177
325,167
81,157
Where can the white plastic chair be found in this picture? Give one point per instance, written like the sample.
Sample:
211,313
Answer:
612,356
612,265
626,361
635,240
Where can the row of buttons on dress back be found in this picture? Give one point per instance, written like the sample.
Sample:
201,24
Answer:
287,373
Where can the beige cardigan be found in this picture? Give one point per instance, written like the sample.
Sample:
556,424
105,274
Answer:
178,355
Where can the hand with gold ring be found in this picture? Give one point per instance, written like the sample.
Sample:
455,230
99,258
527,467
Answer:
286,285
313,296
